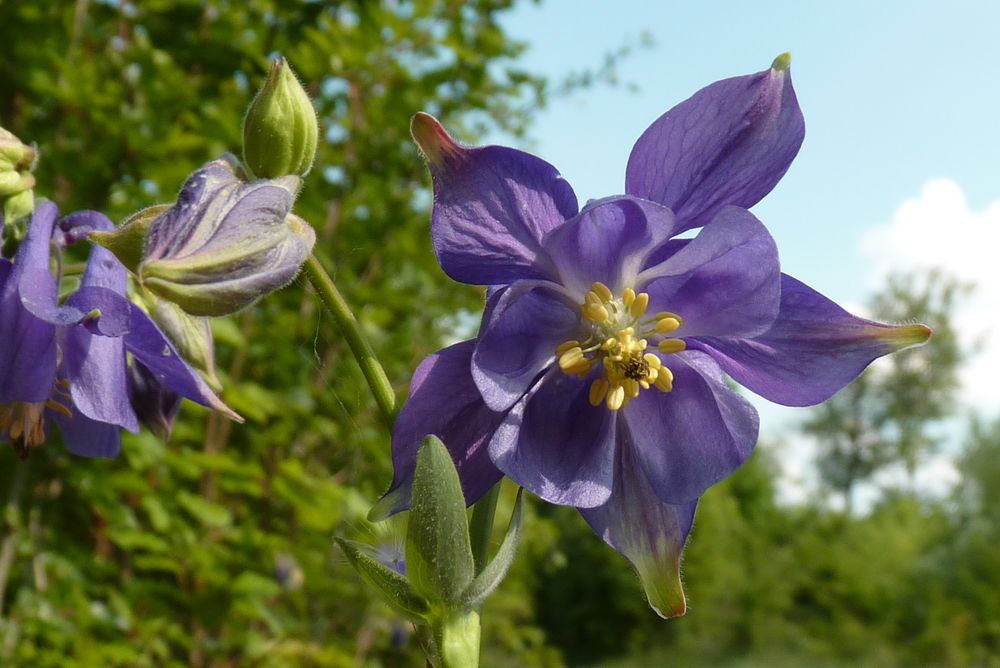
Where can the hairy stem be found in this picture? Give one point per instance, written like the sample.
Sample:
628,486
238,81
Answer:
351,330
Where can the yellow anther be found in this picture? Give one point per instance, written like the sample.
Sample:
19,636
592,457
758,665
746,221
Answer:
570,358
665,380
669,346
667,325
667,314
598,390
567,345
595,313
615,347
54,405
616,397
638,306
631,386
602,291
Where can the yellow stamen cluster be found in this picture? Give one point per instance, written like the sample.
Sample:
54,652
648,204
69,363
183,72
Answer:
618,341
23,423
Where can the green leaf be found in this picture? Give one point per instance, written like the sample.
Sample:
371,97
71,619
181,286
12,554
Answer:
208,513
438,551
494,573
396,589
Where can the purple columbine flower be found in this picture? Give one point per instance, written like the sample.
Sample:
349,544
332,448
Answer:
67,362
598,379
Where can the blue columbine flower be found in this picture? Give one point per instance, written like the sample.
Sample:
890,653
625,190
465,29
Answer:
67,362
598,376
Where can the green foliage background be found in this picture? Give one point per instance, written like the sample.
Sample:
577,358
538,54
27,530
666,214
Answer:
215,549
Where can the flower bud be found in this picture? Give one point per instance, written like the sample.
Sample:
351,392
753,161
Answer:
225,242
17,200
280,130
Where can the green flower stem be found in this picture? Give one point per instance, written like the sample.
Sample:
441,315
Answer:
457,638
351,330
481,527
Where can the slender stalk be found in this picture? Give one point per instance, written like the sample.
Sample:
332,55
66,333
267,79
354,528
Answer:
351,330
481,527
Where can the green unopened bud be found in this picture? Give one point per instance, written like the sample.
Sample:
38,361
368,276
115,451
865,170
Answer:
17,159
280,130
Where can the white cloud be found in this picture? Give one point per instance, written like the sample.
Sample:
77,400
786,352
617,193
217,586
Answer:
938,229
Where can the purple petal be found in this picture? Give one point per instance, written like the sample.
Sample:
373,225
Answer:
813,349
95,369
527,323
89,438
729,143
725,281
556,445
76,226
609,241
148,345
690,438
492,206
649,533
444,402
28,349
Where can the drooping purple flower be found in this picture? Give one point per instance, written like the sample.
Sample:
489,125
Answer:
597,379
67,362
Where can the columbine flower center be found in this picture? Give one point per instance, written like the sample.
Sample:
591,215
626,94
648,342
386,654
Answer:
617,338
23,423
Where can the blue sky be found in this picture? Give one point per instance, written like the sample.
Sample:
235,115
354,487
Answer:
900,166
894,94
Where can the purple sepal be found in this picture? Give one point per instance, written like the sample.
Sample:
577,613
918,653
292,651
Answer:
445,402
89,438
729,143
148,345
813,349
492,206
28,350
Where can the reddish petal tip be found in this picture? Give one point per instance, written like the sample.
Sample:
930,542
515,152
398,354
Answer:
434,141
